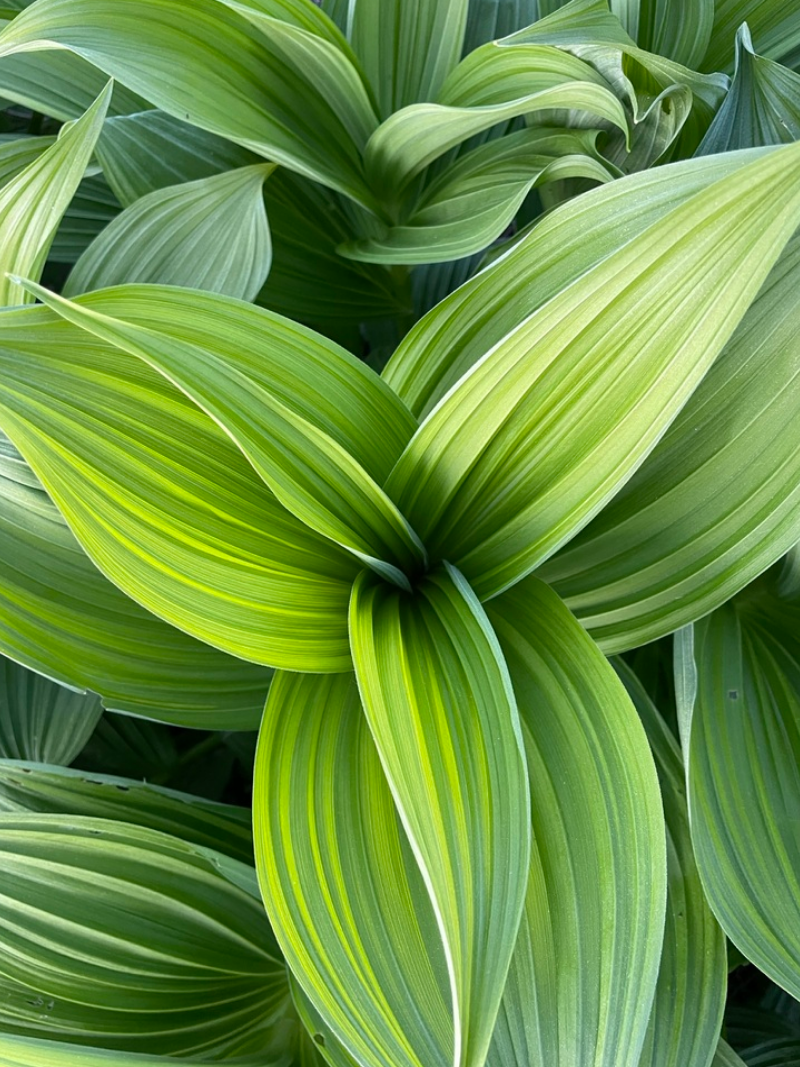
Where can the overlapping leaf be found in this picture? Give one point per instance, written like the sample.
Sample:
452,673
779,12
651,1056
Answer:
18,1051
775,27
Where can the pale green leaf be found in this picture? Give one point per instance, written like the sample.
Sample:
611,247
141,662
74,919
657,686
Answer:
18,153
555,419
60,84
163,501
584,971
32,203
209,234
32,1052
41,720
717,501
726,1057
442,712
35,787
102,640
303,411
126,938
677,29
774,24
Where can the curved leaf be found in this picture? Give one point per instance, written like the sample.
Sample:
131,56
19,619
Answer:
30,1052
209,234
442,712
164,502
93,207
726,1057
40,720
774,24
126,938
549,426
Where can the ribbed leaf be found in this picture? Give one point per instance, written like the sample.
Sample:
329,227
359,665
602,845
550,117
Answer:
475,199
92,208
744,775
716,502
521,454
163,501
126,938
441,709
101,640
775,26
30,1052
408,47
762,106
220,72
339,880
41,720
31,205
678,29
489,19
302,410
491,85
782,1052
584,971
18,153
208,234
35,787
60,84
726,1057
690,994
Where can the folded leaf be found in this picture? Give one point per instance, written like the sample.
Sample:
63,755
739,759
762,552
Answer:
32,203
584,970
775,27
549,426
716,502
678,29
36,787
102,640
163,501
302,410
130,939
442,712
41,720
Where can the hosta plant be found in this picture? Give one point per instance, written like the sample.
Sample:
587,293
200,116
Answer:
370,373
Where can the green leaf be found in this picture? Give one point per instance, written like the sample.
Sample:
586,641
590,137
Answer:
442,712
40,720
782,1052
550,425
489,19
692,978
408,47
302,410
209,234
19,153
717,500
491,85
744,775
218,71
93,207
677,29
162,500
475,199
762,106
775,27
126,938
584,971
340,883
32,203
726,1057
34,787
102,640
30,1052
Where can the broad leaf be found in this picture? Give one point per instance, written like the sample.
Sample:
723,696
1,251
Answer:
36,787
60,84
716,502
442,712
209,234
489,19
677,29
584,970
92,208
744,775
726,1057
41,720
32,1052
102,640
126,938
549,426
163,501
775,27
782,1052
32,203
302,410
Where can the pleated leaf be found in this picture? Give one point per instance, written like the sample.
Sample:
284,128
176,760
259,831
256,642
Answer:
489,19
584,970
690,995
782,1052
102,640
529,445
32,203
32,1052
209,234
36,787
41,720
19,152
775,27
678,29
744,775
93,207
60,84
762,106
442,712
163,501
726,1057
717,500
302,410
127,938
218,71
340,883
